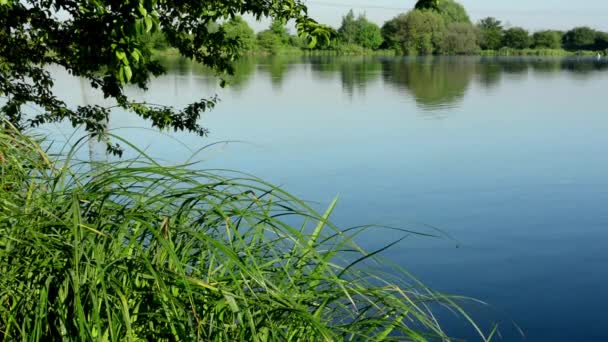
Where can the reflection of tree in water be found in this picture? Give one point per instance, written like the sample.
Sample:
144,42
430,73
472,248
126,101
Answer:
489,73
243,70
584,66
179,66
355,72
434,82
515,67
277,67
545,65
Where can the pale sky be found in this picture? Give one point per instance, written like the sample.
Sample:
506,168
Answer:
530,14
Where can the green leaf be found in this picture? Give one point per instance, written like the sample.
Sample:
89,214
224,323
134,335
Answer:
149,24
136,54
121,55
142,10
128,73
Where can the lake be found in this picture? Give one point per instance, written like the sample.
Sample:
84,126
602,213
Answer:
507,157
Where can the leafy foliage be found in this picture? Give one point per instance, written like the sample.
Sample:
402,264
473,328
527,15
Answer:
427,5
103,42
547,40
453,12
360,31
237,28
460,39
516,38
580,38
415,33
491,33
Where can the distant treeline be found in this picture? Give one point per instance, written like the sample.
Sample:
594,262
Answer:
445,29
432,81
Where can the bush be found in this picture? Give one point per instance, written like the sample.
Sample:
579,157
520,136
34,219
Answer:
136,251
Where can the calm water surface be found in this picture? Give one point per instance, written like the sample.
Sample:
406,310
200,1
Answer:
507,156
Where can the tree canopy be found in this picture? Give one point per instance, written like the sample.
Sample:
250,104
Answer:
547,40
238,29
516,38
101,41
415,33
453,12
427,5
580,38
460,39
491,33
360,31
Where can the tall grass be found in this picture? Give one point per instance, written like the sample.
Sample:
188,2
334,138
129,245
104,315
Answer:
136,251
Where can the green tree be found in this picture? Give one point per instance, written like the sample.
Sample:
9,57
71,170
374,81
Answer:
580,38
516,38
460,39
601,41
360,31
347,32
453,12
415,33
490,33
427,5
102,42
547,40
277,27
269,42
237,28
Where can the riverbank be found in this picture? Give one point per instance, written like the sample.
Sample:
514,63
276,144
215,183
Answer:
293,51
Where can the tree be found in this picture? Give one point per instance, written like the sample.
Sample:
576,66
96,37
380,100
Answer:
348,30
277,27
237,28
601,41
516,38
453,12
101,41
415,33
460,39
360,31
547,40
369,35
580,38
269,41
427,5
490,33
274,38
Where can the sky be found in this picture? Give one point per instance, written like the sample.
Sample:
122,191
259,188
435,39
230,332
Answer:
530,14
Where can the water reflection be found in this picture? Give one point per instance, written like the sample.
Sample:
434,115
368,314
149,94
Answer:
354,72
434,83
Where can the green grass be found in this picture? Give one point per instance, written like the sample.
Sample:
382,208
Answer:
137,251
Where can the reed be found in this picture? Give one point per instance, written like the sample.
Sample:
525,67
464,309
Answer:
138,251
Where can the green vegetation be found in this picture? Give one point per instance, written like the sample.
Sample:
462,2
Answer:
136,251
415,33
516,38
434,27
88,41
360,31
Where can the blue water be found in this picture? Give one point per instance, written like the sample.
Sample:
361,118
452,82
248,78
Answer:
507,157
